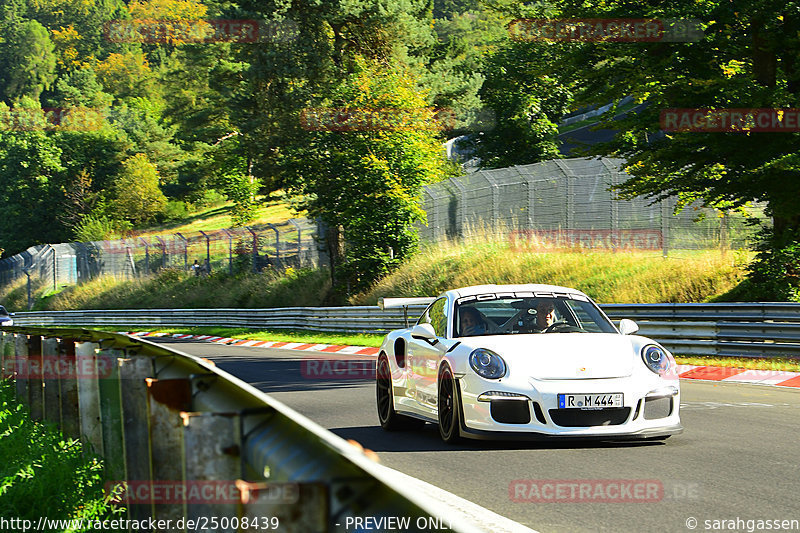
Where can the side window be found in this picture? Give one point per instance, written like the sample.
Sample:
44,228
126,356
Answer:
436,316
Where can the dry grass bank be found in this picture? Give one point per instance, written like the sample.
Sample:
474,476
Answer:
623,277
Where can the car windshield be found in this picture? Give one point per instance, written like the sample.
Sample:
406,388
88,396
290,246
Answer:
492,314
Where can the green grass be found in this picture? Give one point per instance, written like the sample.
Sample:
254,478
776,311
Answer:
788,365
623,277
43,475
272,209
175,288
280,335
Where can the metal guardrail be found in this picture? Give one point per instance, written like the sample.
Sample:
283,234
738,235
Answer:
734,329
730,329
164,419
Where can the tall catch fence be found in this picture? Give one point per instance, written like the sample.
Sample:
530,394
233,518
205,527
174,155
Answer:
553,205
254,248
567,203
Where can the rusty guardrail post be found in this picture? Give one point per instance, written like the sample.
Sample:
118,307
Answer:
3,354
20,356
91,425
214,441
68,388
133,373
166,400
111,417
50,378
34,372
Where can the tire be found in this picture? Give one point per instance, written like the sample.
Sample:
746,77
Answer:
387,416
449,406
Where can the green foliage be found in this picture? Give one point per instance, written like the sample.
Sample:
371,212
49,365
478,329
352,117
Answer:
44,475
453,75
177,289
775,272
140,119
138,197
30,165
368,182
241,190
80,88
99,228
746,59
230,174
175,210
27,59
528,98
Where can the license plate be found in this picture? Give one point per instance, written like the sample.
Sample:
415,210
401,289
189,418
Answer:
589,401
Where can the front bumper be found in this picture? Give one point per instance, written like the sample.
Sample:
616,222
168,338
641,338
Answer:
650,409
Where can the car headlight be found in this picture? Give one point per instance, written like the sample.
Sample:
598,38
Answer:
656,359
487,364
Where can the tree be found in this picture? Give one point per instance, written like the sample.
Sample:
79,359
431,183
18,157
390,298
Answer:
138,197
230,174
528,97
27,60
367,181
30,163
746,59
453,77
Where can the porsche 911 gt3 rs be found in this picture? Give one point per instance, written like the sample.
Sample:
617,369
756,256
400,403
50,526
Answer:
524,361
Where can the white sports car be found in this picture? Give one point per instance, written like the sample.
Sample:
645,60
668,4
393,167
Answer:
524,361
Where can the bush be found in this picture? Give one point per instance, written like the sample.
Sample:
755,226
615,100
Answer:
138,197
100,228
210,198
44,475
774,275
175,210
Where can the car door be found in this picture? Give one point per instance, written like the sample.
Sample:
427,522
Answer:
424,354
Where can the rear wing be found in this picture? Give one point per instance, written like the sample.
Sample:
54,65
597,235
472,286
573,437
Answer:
390,303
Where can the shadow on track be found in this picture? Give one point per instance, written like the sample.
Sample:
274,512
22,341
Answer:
427,439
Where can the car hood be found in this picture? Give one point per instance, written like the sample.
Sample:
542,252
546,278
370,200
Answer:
562,355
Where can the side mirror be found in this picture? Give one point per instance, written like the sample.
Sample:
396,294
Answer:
628,327
423,331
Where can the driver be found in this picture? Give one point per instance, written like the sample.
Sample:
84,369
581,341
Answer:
545,314
471,322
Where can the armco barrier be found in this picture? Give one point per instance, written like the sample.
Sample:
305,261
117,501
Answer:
195,443
734,329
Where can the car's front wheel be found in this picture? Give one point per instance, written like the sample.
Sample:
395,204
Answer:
389,419
449,407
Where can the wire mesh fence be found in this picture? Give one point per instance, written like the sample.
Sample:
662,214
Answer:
558,204
568,203
253,248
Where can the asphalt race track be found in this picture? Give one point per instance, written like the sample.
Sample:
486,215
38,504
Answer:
738,459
